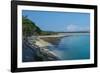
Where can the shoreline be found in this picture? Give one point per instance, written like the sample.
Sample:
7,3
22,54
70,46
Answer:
43,51
41,43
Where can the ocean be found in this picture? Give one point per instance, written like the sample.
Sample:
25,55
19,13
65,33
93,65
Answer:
68,48
73,48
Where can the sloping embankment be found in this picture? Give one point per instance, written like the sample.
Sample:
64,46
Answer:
41,53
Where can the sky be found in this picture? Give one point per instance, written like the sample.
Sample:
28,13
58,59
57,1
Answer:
59,21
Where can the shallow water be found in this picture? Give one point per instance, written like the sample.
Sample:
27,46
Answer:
69,48
73,47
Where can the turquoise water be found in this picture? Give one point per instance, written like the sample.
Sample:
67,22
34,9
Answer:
69,48
73,47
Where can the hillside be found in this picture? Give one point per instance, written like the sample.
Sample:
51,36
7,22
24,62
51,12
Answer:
29,28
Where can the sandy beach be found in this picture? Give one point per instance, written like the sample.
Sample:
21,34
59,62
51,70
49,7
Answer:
41,43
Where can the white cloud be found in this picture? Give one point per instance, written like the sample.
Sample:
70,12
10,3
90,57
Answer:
73,27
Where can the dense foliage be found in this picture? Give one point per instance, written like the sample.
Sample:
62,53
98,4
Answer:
29,28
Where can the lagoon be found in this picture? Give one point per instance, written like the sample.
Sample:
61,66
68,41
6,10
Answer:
68,48
73,47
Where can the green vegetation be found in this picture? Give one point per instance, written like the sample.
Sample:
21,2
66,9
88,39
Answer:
48,33
29,28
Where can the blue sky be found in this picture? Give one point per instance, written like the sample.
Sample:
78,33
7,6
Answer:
59,21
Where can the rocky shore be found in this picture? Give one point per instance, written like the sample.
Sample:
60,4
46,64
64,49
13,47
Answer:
41,52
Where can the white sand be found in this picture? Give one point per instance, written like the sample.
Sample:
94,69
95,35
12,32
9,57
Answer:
41,43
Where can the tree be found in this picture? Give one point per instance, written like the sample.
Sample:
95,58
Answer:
29,27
